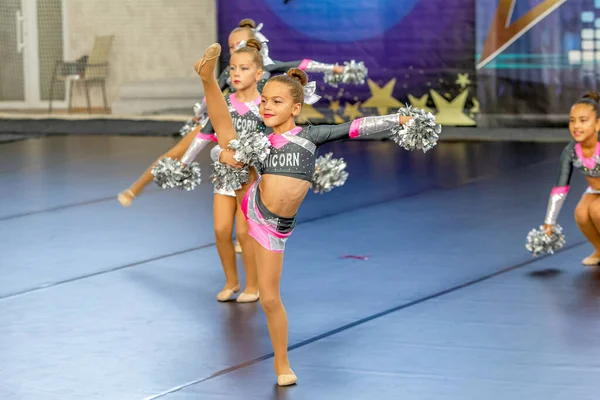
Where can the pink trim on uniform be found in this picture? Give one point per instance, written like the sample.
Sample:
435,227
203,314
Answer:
260,230
240,107
211,137
354,128
278,141
559,190
304,64
589,163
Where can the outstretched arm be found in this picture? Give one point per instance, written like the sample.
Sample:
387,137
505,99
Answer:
358,128
305,65
176,152
560,190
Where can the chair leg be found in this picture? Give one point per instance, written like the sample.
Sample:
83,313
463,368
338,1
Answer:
71,86
87,97
103,83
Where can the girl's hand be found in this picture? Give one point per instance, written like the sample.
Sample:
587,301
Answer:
226,157
338,70
404,119
548,229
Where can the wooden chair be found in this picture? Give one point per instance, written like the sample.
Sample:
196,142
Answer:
92,70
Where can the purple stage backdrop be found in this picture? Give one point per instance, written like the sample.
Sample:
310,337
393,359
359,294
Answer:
420,52
535,58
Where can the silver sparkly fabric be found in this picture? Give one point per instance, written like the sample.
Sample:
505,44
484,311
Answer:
215,153
197,145
554,205
315,66
329,173
223,192
371,125
307,144
539,243
276,243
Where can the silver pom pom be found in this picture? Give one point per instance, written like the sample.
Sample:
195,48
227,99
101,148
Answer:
329,173
420,133
188,127
168,173
229,178
354,73
539,243
251,148
191,177
332,79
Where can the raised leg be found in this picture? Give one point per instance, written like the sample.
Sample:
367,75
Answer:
218,111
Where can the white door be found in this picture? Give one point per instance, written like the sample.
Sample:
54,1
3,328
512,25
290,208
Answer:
31,41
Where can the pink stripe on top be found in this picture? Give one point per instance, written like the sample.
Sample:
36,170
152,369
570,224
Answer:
304,64
559,190
211,137
278,141
354,128
240,107
589,163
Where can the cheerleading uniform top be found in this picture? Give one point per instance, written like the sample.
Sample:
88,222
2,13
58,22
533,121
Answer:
293,153
571,158
245,117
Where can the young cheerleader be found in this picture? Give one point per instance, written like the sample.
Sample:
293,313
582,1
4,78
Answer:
246,70
271,202
582,153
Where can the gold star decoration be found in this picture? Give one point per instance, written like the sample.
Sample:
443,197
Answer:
463,80
381,97
451,112
334,106
308,112
352,112
337,119
475,108
420,103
